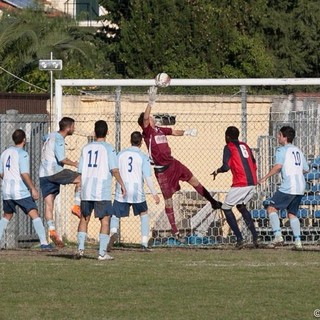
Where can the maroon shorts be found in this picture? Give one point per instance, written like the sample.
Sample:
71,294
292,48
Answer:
169,179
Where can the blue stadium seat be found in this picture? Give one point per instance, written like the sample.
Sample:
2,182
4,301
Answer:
317,214
303,213
266,202
315,163
283,214
315,188
258,214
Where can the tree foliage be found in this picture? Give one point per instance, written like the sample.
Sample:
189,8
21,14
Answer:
29,35
226,38
186,38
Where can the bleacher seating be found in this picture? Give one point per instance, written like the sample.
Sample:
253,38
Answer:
310,199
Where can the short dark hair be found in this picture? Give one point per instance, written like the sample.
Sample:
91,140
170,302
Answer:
18,136
140,119
101,129
288,132
136,138
65,122
232,132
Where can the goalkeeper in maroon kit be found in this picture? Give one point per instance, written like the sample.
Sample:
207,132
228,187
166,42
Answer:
168,170
238,158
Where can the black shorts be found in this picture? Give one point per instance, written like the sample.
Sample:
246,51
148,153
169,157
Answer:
51,184
26,205
101,208
122,209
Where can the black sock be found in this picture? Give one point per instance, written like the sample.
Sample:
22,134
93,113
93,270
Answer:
248,220
231,219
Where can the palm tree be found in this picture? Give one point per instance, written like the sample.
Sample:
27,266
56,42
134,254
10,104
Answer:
30,35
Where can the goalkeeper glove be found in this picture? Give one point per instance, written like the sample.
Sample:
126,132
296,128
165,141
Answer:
152,95
190,132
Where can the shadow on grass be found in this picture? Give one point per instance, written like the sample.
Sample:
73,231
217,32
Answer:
71,256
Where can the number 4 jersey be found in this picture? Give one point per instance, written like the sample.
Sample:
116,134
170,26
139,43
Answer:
14,161
293,164
96,162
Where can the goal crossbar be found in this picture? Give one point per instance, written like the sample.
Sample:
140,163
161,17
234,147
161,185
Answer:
60,83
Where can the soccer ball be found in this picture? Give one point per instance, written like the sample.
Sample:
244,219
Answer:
162,80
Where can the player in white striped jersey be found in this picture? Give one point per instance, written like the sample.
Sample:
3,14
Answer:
52,174
134,168
18,188
291,162
97,165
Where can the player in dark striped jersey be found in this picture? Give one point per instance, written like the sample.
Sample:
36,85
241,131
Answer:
238,158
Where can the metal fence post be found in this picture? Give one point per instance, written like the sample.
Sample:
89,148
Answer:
244,113
117,119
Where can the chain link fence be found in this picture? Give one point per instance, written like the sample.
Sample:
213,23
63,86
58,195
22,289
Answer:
20,232
259,117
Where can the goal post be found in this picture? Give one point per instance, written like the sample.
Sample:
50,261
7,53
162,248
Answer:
258,116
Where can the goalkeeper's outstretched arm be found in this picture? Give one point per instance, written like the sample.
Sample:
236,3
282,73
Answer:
187,132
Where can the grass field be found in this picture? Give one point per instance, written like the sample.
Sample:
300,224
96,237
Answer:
164,284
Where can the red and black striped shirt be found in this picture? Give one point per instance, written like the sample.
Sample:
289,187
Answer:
238,157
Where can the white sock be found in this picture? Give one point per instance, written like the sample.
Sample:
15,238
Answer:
295,226
144,229
275,223
39,228
51,225
81,240
3,226
103,243
114,225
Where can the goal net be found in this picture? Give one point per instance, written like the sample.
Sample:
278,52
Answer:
258,107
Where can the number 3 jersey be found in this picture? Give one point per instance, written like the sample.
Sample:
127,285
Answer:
134,166
96,162
14,161
293,164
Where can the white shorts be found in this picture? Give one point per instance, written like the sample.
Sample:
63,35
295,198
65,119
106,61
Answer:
238,195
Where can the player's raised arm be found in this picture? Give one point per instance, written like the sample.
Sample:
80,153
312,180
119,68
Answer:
152,92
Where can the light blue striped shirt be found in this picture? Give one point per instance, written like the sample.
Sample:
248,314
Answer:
293,163
134,166
53,152
96,162
14,161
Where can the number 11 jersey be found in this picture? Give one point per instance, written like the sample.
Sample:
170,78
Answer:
96,162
